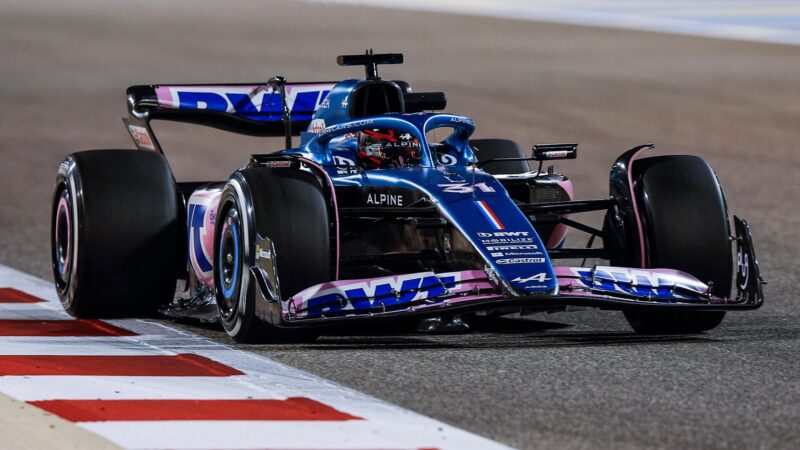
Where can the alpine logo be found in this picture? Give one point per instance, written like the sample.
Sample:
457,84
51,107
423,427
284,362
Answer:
383,199
540,277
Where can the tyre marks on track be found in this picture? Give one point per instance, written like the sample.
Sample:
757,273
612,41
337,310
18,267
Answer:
141,384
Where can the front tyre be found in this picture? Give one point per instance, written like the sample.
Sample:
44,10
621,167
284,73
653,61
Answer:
686,228
279,215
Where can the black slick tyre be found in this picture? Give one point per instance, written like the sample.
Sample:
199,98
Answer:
114,233
500,148
686,228
285,211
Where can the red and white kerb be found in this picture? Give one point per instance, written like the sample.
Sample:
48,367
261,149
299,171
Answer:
143,384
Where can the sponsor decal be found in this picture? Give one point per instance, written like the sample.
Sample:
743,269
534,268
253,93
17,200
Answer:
405,137
520,261
534,286
253,102
377,199
512,247
344,126
540,277
452,177
197,229
519,254
262,254
382,292
278,164
497,255
507,241
141,137
402,145
316,125
504,234
446,159
638,282
461,119
342,161
484,208
465,188
742,269
556,154
345,101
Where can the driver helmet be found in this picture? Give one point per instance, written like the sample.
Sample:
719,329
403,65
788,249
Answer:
383,149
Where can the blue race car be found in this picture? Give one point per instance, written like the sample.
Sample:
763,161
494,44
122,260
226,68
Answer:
385,210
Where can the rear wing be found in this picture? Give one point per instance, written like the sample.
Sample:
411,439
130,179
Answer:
276,108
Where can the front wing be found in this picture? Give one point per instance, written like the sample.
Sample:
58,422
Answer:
606,287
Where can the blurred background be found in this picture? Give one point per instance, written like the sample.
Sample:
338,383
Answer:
65,65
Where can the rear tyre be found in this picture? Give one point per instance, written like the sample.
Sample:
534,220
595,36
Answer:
290,219
114,233
500,148
686,228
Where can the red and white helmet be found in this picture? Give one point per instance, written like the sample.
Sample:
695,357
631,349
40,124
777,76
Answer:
383,149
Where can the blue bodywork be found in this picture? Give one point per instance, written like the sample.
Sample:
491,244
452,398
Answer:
470,199
517,269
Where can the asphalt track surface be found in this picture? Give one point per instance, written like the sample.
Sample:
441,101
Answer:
568,380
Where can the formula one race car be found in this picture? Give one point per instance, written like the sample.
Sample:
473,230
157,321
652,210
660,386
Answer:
383,211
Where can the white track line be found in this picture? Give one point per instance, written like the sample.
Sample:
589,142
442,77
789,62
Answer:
384,426
28,312
119,346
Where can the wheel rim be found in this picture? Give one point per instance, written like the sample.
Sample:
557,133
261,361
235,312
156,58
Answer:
63,240
229,263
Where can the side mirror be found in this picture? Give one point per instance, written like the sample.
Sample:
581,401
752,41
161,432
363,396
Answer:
546,152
